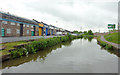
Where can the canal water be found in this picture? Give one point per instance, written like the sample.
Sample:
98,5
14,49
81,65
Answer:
77,56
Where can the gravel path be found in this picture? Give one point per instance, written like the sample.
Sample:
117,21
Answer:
113,44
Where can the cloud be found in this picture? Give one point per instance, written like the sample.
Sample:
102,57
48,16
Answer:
70,14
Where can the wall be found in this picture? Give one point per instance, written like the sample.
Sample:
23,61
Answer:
12,29
37,31
0,27
16,28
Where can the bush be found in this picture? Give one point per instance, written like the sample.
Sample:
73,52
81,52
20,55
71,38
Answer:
109,47
18,52
103,44
41,44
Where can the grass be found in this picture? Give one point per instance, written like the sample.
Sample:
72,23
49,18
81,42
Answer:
113,37
35,45
9,46
87,36
40,45
104,44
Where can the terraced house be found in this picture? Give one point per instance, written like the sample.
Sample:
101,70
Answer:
12,25
15,26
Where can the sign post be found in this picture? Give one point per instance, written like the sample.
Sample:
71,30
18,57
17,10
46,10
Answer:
111,26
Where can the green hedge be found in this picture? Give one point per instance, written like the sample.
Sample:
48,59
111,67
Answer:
41,44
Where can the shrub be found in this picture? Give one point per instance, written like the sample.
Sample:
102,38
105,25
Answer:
41,44
109,47
103,44
18,52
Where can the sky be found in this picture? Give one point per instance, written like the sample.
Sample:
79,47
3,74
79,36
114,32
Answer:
81,15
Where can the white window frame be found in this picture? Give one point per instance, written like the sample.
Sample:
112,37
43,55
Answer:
8,31
4,22
12,23
24,25
17,31
28,31
27,25
31,26
18,24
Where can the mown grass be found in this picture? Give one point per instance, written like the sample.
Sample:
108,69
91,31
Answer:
104,44
113,37
9,46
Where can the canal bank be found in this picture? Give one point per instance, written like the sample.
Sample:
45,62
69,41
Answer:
76,56
108,45
33,47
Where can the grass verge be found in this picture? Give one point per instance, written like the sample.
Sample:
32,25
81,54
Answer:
9,46
113,37
34,46
104,44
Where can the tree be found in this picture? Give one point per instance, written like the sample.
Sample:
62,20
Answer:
75,31
85,32
90,32
80,32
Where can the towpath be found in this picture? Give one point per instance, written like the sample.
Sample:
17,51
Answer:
13,39
113,44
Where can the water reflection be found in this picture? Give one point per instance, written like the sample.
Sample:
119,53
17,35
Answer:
89,38
114,51
78,56
41,55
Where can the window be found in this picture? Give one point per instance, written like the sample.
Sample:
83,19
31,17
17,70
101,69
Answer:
27,25
18,24
27,31
12,23
8,31
31,26
18,31
24,25
4,22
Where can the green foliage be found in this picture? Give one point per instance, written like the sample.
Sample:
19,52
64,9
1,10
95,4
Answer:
18,52
41,44
90,32
75,31
113,37
109,47
104,44
85,32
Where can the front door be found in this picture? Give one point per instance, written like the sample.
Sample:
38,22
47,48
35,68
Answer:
21,29
3,32
32,33
46,31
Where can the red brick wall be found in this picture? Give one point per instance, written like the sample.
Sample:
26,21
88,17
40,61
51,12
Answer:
37,31
12,27
25,30
15,27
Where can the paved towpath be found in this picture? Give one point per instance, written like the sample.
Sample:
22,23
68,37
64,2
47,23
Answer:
113,44
13,39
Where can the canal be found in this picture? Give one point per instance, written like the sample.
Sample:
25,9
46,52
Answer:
77,56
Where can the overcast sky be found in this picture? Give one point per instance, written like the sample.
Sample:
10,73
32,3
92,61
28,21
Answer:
72,15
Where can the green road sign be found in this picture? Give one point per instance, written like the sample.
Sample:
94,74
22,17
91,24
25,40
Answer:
111,26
